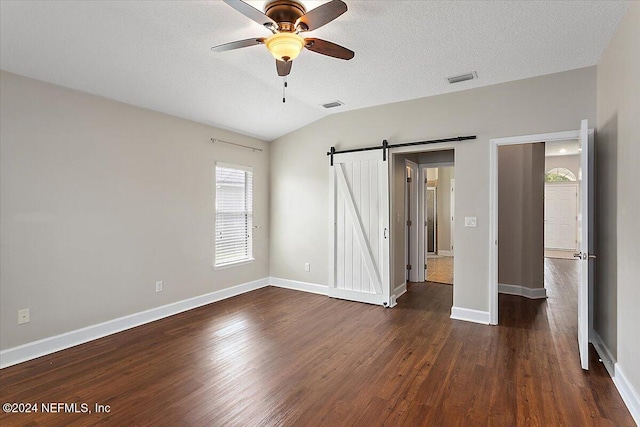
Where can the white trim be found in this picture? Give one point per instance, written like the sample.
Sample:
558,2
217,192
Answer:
420,225
245,168
397,293
438,164
376,299
411,251
435,222
493,204
296,285
445,253
332,226
629,394
392,190
470,315
234,264
606,357
452,214
22,353
523,291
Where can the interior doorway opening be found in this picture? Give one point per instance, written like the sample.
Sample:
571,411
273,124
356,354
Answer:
429,219
538,206
528,256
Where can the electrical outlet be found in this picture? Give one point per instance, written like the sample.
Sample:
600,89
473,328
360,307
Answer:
470,221
24,316
307,266
159,286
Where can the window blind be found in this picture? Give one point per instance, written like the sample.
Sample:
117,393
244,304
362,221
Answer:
234,214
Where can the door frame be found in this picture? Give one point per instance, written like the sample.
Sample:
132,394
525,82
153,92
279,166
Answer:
435,219
396,290
412,209
452,216
493,203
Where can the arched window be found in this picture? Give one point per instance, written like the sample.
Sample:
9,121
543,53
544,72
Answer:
559,175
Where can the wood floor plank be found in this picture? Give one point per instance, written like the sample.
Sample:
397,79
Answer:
281,357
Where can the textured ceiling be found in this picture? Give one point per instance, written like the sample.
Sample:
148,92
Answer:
155,54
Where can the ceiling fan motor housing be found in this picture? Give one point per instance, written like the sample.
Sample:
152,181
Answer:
284,12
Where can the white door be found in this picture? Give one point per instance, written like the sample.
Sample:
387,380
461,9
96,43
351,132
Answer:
585,243
359,264
411,221
560,216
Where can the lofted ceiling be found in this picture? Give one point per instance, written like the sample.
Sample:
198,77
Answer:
156,54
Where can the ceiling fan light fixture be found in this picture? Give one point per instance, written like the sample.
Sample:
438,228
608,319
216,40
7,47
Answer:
284,46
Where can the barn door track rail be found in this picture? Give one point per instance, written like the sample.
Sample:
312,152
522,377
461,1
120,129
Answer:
386,146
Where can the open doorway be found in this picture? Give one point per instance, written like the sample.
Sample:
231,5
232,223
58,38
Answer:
429,203
538,205
561,190
523,213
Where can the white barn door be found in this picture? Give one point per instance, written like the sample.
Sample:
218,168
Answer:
359,264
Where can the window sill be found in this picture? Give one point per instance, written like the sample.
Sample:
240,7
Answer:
234,264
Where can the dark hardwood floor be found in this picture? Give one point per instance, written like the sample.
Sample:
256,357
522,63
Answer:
282,357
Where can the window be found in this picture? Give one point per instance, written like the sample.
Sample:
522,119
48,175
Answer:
234,214
559,175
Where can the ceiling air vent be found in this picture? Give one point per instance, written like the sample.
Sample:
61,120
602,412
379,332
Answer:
463,77
333,104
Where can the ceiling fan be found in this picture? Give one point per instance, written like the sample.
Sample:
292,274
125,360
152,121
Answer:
286,19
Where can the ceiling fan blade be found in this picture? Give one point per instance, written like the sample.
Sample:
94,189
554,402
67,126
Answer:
284,68
321,15
238,44
252,13
327,48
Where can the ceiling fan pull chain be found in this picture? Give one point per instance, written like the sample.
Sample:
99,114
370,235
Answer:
284,90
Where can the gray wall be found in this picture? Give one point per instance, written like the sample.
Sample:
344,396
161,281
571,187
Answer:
300,168
99,200
521,215
618,196
435,157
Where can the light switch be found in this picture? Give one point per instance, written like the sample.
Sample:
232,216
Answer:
469,221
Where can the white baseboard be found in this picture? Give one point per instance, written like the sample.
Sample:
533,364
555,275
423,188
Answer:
22,353
445,253
605,355
313,288
629,394
469,315
400,290
397,293
523,291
